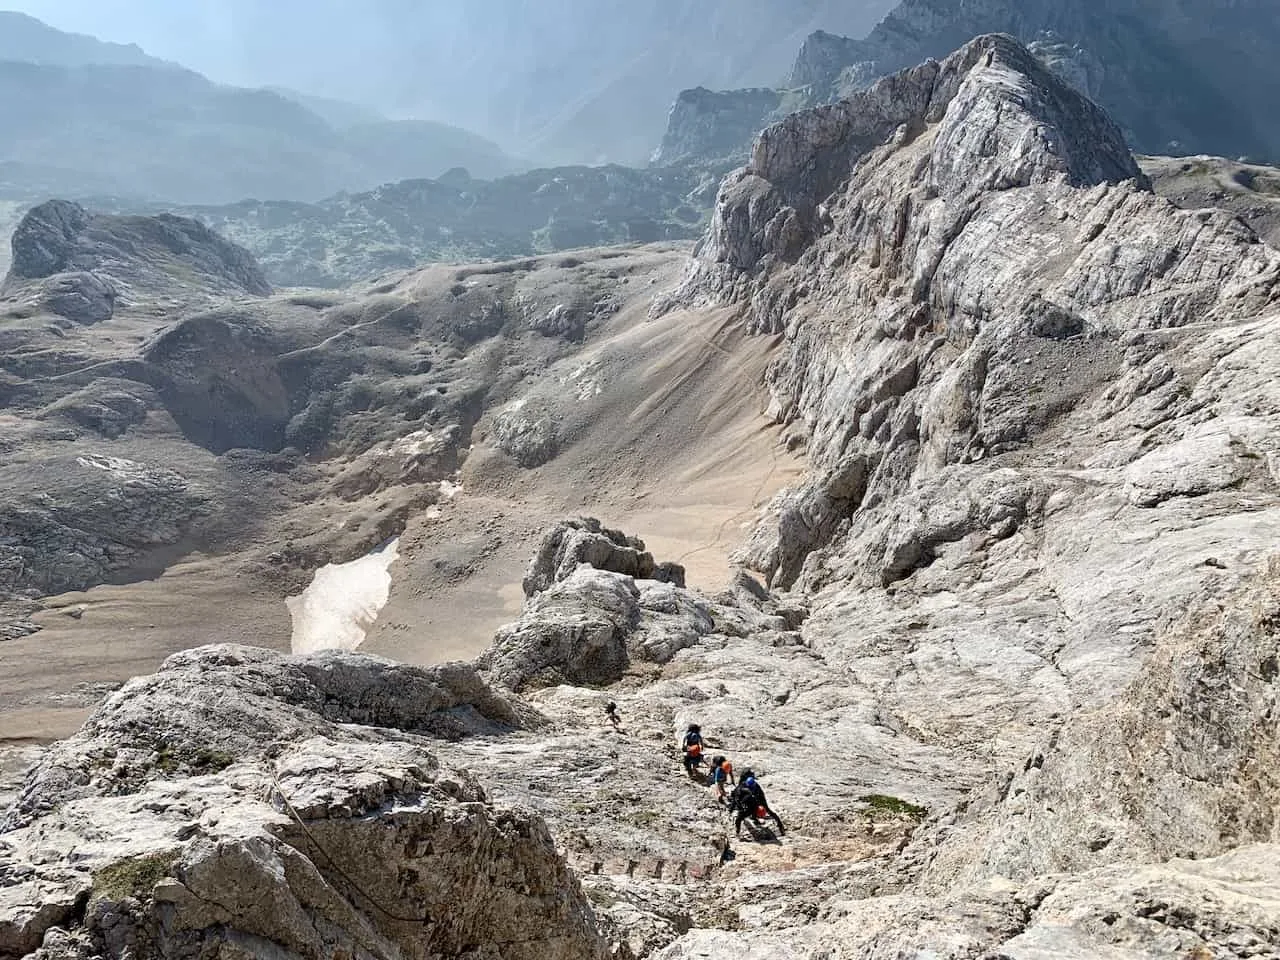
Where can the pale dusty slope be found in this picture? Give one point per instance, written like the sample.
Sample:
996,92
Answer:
655,414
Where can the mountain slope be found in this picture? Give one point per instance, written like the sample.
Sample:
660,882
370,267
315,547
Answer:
1010,681
1179,77
28,39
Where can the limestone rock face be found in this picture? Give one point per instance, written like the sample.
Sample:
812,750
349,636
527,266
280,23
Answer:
243,803
965,266
706,124
822,58
1036,402
1193,725
992,128
1186,908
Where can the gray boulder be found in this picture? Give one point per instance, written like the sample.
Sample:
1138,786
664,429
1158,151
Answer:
572,543
244,803
527,433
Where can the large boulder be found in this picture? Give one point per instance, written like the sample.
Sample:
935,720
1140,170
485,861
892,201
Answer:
596,605
571,543
243,803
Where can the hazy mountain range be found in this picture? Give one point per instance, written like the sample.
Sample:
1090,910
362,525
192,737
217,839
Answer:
563,81
82,116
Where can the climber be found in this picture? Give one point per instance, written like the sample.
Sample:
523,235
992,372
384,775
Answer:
749,801
611,711
721,773
692,747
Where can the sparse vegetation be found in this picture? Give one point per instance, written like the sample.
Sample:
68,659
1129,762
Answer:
134,877
642,818
199,761
884,805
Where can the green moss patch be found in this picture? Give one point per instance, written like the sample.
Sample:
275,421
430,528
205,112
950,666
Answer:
879,803
134,877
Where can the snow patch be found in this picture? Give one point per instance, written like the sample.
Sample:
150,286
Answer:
342,602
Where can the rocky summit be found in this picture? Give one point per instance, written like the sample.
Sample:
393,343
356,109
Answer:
988,427
1178,76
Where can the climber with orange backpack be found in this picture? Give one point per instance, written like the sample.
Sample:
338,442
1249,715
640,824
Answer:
721,774
692,747
749,802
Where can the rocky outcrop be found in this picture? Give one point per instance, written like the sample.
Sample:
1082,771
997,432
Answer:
706,125
75,523
770,211
1194,724
1042,499
572,543
1184,908
596,601
75,265
82,298
297,810
822,58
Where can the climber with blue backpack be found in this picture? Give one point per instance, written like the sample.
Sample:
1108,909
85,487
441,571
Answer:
749,802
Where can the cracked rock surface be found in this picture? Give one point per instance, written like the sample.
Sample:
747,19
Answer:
243,803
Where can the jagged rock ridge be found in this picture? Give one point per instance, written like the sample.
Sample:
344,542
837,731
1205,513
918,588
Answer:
1178,77
1010,361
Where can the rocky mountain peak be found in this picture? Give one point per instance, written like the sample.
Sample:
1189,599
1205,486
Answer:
822,57
997,120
